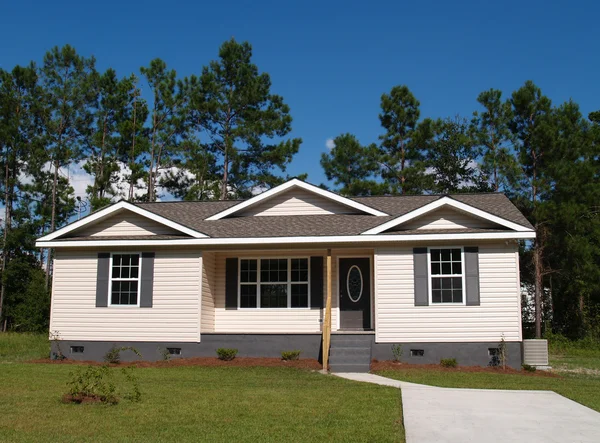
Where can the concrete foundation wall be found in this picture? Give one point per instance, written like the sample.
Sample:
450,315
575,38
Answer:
271,345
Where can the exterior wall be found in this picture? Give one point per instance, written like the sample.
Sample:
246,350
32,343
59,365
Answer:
398,320
175,314
207,318
126,223
446,218
297,202
278,320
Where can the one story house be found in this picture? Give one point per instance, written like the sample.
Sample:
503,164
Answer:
294,268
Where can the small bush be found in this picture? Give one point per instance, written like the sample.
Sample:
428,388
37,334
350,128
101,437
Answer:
448,363
529,368
397,352
94,384
226,354
290,355
114,354
164,353
56,339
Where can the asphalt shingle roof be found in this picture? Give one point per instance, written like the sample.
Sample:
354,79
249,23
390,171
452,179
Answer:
193,215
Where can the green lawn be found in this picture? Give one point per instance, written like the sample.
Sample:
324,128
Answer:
575,359
22,347
196,404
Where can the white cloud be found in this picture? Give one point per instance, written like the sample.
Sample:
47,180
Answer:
329,144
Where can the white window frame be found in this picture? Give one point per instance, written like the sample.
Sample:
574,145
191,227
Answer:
258,283
139,279
431,277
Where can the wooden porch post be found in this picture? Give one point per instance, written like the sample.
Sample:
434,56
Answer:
327,320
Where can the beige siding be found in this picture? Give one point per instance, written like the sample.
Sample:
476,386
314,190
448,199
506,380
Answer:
207,323
174,316
446,218
278,320
297,202
398,320
125,223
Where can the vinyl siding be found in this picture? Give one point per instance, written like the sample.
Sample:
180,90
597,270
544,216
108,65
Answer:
398,320
297,202
125,224
207,323
446,218
174,316
278,320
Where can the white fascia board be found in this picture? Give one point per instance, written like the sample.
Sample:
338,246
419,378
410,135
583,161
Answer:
446,201
110,210
300,184
258,241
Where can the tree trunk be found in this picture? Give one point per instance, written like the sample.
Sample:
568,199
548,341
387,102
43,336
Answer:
52,218
537,263
132,158
225,177
7,227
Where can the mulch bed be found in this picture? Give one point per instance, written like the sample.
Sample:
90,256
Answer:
390,365
303,363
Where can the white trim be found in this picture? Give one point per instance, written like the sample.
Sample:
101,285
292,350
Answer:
430,276
443,202
362,284
263,241
122,205
300,184
139,280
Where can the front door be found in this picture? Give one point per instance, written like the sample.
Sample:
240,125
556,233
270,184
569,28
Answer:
355,293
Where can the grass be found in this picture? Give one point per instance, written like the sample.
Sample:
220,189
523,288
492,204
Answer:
189,403
15,347
580,357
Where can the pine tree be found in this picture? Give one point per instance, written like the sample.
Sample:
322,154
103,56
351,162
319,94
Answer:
492,133
352,167
401,152
246,124
166,121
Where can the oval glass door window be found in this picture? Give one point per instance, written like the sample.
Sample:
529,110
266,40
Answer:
354,283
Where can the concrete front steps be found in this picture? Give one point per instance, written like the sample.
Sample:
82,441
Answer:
350,353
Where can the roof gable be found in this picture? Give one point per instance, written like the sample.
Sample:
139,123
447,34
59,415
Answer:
112,212
124,224
446,217
445,203
296,197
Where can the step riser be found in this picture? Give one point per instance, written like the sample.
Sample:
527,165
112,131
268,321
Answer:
349,360
350,351
350,368
351,343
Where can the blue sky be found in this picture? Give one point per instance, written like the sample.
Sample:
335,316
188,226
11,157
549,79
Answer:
331,61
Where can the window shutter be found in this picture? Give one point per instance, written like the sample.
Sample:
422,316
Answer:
147,282
102,280
316,282
472,275
421,277
231,283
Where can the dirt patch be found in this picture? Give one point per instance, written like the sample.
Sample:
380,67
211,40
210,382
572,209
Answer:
390,365
82,399
303,363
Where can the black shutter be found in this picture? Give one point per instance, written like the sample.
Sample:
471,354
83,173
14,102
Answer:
316,282
472,275
231,283
147,280
421,275
102,279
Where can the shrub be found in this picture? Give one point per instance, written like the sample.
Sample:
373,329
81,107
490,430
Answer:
397,352
58,354
114,354
164,353
95,384
528,368
290,355
448,362
90,384
226,354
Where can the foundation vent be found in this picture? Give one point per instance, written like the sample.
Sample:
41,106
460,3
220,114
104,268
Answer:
417,352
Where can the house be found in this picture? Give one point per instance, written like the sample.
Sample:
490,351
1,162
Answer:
290,269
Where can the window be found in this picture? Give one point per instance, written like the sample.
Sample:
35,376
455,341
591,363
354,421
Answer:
125,279
274,283
446,271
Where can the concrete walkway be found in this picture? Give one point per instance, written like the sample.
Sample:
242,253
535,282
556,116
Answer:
436,415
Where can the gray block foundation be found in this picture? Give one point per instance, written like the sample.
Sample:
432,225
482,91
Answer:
271,345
